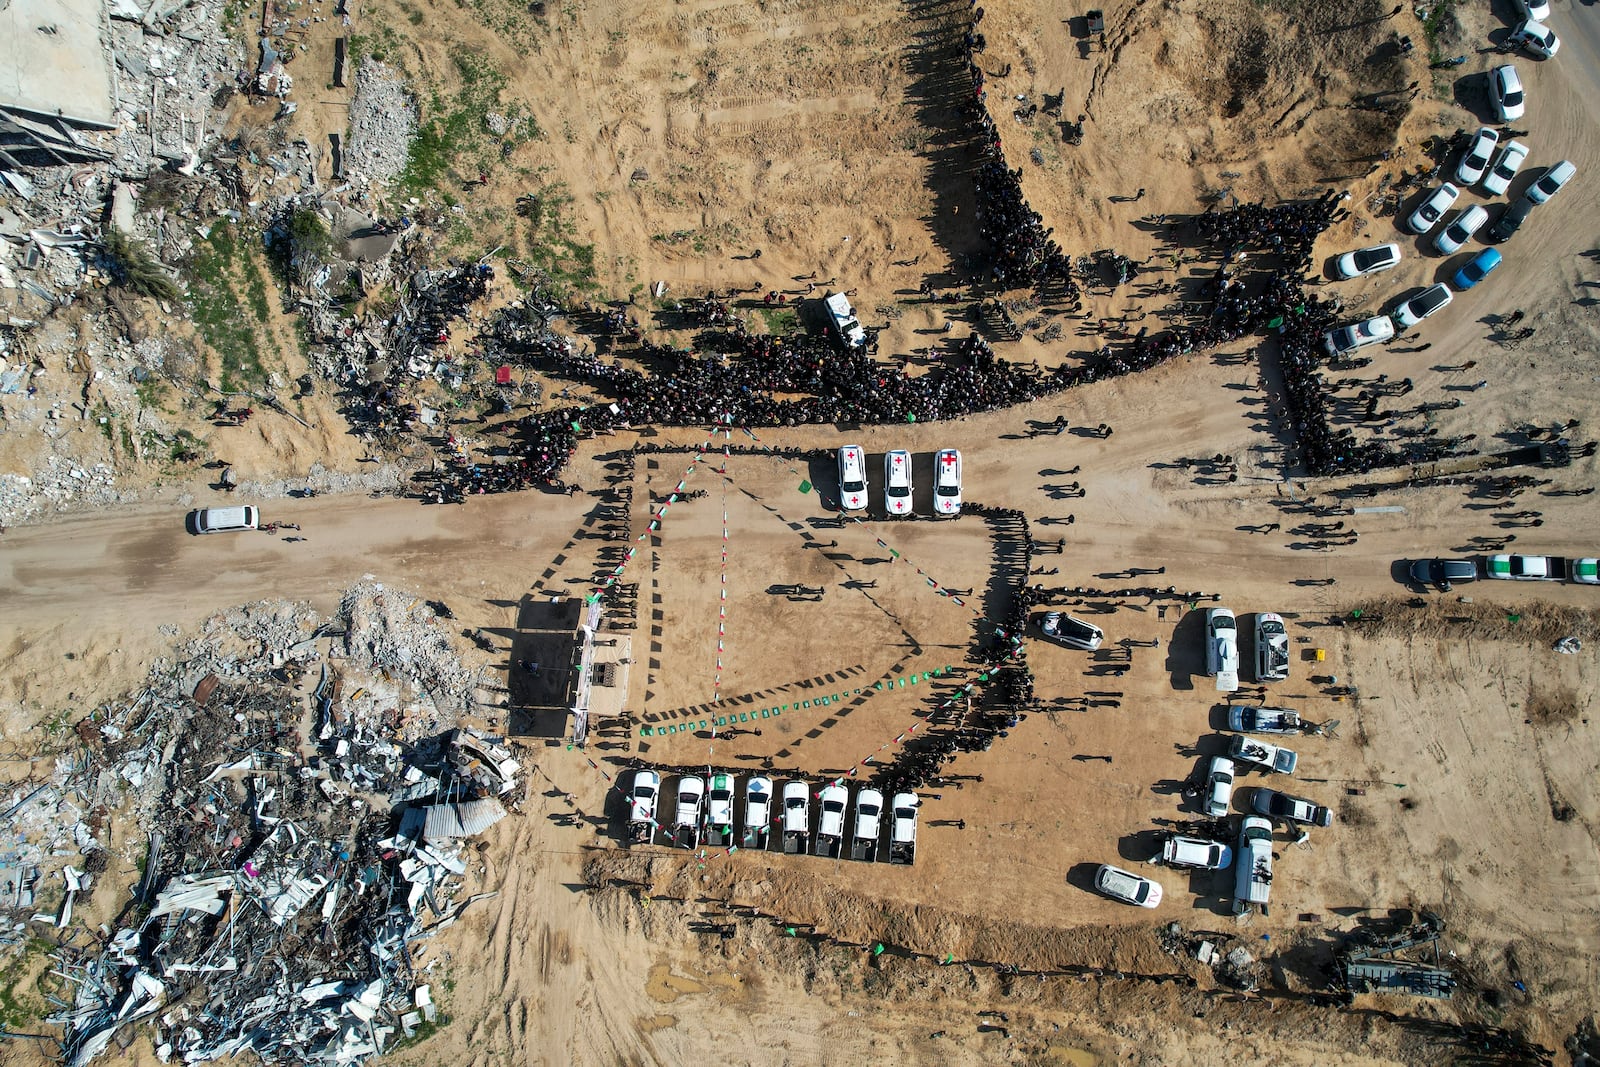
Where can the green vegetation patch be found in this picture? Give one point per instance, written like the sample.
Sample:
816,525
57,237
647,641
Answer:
228,300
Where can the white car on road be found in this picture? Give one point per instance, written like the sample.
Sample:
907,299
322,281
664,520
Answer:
1536,38
1222,648
1498,180
1475,160
897,482
1461,229
852,478
1537,10
1550,182
1431,300
1505,92
1432,209
1358,335
1368,260
947,482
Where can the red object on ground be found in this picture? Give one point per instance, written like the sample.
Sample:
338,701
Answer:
502,375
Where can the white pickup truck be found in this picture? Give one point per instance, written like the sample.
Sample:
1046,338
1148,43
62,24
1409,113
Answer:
1543,569
1250,720
1252,865
1264,754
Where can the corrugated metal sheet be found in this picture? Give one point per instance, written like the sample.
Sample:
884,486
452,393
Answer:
444,821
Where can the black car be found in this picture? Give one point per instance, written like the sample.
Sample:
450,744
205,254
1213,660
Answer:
1511,220
1443,572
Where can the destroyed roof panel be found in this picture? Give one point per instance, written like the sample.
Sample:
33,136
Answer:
52,60
443,821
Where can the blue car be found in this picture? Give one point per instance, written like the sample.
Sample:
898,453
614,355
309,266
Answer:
1476,270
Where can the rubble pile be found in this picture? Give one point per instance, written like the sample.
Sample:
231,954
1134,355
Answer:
58,482
398,635
383,119
304,836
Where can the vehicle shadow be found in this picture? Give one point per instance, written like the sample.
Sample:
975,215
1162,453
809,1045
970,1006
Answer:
1186,651
1141,846
1081,876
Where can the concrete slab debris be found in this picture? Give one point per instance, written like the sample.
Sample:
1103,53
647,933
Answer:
52,60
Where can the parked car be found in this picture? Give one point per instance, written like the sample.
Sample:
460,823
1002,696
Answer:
1367,260
1498,179
1443,573
1475,270
1272,648
1070,630
1551,182
1428,302
224,520
1126,886
691,792
1278,805
869,814
1586,570
1511,219
1537,10
1252,864
1536,39
1222,648
719,805
947,482
796,808
1475,160
897,482
1250,720
1461,229
1358,335
852,478
1505,93
757,811
903,832
1274,758
642,802
1219,787
1526,568
831,821
1433,208
1180,851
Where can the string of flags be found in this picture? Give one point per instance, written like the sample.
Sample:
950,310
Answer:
722,589
655,522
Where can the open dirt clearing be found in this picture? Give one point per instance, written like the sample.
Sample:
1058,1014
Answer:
677,139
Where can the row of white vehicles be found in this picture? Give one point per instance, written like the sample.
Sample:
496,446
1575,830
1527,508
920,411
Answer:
1222,648
1250,855
898,483
705,813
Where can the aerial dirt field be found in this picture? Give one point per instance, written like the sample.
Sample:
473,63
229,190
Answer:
1459,755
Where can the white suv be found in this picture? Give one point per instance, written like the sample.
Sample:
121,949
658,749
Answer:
897,482
852,478
947,482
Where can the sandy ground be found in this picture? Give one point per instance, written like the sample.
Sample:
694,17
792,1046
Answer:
1462,777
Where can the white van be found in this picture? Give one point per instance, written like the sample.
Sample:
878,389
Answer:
225,520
